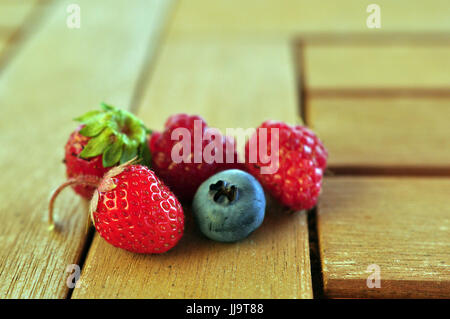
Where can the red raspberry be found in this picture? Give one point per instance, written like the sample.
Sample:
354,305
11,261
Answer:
302,159
132,209
184,178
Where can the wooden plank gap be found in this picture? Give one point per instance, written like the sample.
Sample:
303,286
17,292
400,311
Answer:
314,255
442,92
365,39
300,65
83,255
58,74
399,171
152,55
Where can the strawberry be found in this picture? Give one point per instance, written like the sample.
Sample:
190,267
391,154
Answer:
132,209
76,165
106,138
185,177
297,179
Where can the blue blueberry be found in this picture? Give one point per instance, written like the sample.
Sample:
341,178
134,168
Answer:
229,206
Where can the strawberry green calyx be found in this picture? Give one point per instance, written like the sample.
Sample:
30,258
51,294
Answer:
116,134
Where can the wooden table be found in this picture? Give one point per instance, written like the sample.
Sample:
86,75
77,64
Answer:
379,99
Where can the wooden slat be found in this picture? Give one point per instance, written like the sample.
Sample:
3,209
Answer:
400,224
14,13
58,74
272,263
356,67
296,17
384,134
232,84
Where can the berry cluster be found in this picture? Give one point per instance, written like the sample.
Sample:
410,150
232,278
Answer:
135,185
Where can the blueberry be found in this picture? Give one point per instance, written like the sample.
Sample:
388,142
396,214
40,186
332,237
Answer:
229,206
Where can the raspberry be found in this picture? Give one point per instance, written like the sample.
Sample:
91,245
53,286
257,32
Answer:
302,158
185,177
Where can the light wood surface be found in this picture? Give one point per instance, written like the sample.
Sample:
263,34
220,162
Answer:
14,13
234,83
384,133
400,224
41,90
379,99
271,263
3,44
292,18
225,83
374,66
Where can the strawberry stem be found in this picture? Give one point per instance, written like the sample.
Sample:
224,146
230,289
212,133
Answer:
87,180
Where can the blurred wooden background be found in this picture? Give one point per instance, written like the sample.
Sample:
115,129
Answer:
379,99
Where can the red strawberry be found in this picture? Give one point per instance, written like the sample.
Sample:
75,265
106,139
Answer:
184,178
132,209
297,179
76,166
105,139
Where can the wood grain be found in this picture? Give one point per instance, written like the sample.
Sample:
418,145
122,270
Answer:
364,67
234,83
292,18
237,83
271,263
232,62
400,224
384,134
58,74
